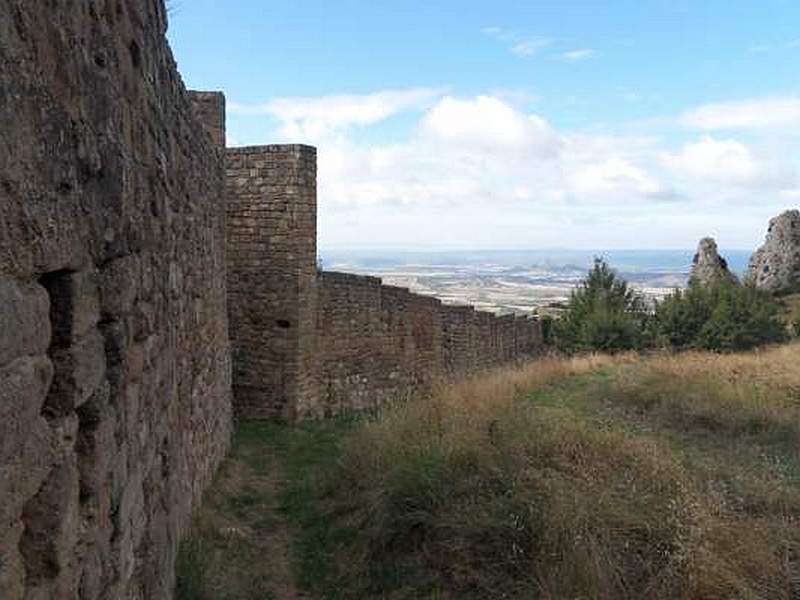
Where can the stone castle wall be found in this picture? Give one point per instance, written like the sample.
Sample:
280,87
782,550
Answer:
376,342
114,354
145,274
272,248
309,344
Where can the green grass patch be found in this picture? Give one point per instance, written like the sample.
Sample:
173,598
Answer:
267,494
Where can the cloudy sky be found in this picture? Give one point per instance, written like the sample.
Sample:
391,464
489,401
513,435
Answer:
517,124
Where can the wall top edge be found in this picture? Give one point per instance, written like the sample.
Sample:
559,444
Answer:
274,148
372,281
351,277
207,93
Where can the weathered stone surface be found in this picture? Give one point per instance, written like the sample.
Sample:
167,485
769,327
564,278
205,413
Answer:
317,344
115,361
114,354
378,342
708,267
210,110
271,253
24,319
25,443
776,265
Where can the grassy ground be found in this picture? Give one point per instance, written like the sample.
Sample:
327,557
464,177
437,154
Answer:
658,477
260,534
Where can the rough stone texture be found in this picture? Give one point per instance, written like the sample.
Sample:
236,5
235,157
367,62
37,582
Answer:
115,362
272,248
114,358
209,109
377,342
708,266
776,265
311,344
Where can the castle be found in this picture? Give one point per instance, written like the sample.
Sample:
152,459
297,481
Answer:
153,285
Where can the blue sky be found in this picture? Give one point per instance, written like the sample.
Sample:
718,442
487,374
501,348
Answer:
558,123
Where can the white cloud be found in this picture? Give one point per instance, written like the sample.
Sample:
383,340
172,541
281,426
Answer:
500,33
467,164
615,176
578,55
760,113
729,162
522,46
313,118
530,47
488,121
717,160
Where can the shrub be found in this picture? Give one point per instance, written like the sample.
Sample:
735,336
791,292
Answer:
547,329
722,317
603,314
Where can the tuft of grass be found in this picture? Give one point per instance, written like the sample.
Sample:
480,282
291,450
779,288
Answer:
753,396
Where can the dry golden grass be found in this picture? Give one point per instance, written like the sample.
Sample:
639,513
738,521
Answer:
664,477
752,393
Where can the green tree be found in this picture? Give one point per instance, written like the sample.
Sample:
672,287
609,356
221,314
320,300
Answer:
603,314
681,315
722,317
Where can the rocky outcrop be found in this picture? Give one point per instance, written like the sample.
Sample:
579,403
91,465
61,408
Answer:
776,265
708,266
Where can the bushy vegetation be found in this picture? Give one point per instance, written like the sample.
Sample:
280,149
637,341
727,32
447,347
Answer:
604,314
722,317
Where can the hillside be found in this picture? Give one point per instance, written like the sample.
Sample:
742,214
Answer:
627,477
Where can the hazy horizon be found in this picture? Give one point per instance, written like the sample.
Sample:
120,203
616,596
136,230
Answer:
518,280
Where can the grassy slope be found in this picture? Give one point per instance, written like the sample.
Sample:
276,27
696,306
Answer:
663,477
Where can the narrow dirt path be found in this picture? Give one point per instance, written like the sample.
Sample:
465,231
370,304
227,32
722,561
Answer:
241,544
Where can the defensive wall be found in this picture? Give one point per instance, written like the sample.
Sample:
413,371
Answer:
308,343
151,282
115,383
376,342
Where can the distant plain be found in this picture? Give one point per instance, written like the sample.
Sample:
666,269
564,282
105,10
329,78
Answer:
518,280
